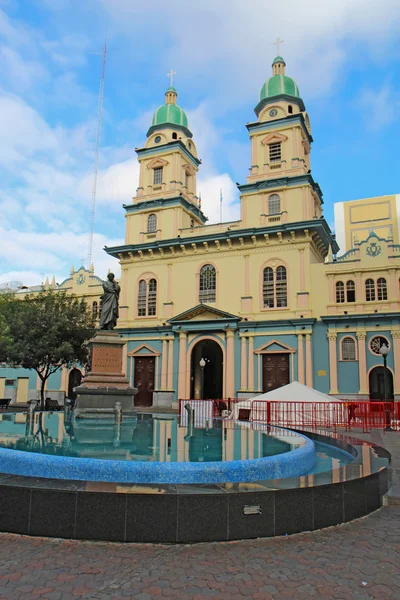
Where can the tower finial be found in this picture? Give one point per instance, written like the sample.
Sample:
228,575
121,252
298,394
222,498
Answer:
171,75
277,43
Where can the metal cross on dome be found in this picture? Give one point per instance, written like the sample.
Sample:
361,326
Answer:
277,43
171,74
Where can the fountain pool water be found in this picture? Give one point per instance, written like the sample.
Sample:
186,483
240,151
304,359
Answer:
157,449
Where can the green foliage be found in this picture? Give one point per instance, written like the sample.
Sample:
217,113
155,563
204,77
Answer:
44,332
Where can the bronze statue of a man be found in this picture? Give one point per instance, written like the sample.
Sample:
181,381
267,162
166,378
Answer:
109,303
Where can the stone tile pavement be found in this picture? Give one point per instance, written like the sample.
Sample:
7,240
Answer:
356,561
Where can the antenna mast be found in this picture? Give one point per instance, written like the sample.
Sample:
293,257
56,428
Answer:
96,156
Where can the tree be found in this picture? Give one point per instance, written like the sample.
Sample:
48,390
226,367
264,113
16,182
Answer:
44,332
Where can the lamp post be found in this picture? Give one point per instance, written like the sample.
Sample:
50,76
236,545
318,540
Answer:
384,350
202,364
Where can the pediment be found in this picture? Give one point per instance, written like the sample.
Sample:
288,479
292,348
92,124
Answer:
274,346
203,312
274,138
157,162
143,350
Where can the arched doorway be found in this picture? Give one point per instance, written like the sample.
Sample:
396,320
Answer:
74,379
212,379
377,383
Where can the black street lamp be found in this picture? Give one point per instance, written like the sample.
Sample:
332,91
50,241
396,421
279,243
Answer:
384,350
202,364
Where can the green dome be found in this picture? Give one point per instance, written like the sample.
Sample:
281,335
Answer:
279,59
170,114
278,85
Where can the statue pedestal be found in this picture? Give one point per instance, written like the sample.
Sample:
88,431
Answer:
105,383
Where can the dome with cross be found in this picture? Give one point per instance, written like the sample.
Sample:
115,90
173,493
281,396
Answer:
170,115
279,84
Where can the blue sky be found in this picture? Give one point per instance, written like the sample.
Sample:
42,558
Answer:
344,56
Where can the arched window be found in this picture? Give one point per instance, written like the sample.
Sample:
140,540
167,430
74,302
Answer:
275,287
152,223
382,289
350,291
339,291
147,298
348,349
174,136
95,311
208,279
274,205
142,298
290,109
370,290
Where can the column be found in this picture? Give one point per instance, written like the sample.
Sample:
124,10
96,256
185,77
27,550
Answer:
332,337
170,372
362,362
164,365
300,359
182,365
230,364
250,379
125,358
302,270
309,377
396,360
243,365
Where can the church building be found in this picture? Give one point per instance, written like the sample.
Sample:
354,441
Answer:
235,309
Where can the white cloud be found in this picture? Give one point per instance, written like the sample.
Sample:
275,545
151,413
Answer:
381,107
227,52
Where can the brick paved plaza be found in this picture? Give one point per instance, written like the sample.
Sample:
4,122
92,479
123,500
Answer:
359,560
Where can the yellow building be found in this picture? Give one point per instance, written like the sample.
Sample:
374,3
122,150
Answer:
355,219
263,300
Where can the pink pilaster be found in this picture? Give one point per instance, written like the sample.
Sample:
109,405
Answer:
362,362
243,365
300,358
250,379
164,365
309,378
230,364
170,371
182,365
396,357
333,363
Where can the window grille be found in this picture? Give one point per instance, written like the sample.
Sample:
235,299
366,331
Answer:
340,291
152,299
348,349
351,291
158,174
281,287
142,298
268,288
382,289
207,292
370,290
274,205
275,152
152,223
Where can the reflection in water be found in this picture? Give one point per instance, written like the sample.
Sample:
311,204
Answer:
154,438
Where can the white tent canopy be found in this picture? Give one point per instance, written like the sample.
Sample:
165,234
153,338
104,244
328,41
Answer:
291,393
295,392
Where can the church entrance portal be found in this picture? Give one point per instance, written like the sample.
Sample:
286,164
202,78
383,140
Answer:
275,371
212,382
377,384
74,379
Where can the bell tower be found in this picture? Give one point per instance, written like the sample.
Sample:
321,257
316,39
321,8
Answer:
166,200
280,187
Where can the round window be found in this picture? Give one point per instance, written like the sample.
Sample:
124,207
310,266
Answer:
376,344
273,112
157,139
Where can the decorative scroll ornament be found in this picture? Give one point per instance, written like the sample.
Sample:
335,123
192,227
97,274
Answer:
373,249
80,279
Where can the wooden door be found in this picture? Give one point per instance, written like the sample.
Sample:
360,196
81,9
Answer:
275,371
144,380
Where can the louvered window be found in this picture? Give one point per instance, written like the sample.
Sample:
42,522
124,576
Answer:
275,152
